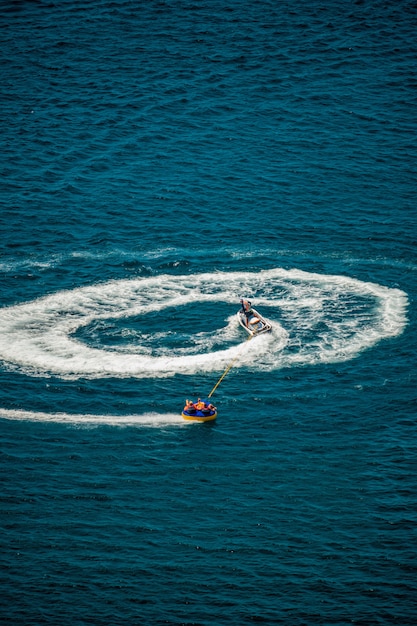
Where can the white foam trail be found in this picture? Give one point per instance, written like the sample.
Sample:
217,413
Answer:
147,419
316,318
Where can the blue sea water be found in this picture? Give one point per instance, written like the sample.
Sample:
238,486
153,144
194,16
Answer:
161,159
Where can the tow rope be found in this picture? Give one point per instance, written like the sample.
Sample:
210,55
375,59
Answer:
227,370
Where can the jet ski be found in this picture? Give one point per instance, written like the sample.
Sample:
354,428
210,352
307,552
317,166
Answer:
251,320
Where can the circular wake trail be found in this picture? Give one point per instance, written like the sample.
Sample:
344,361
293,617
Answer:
315,318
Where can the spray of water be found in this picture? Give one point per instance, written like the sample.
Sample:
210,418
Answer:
315,319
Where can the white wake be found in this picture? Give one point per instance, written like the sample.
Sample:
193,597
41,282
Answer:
315,318
146,419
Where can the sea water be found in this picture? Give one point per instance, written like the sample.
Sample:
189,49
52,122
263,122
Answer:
161,160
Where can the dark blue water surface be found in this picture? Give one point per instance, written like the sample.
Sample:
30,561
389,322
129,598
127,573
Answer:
161,159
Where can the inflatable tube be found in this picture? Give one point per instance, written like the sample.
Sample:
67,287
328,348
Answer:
199,416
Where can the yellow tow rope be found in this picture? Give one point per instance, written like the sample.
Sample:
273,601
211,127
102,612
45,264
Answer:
226,371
